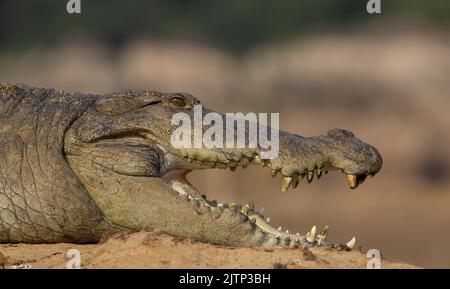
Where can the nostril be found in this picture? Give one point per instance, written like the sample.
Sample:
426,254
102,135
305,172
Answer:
347,133
339,132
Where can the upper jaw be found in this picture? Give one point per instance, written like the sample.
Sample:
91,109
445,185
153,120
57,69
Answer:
291,176
299,158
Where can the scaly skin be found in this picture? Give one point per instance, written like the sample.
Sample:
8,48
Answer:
76,166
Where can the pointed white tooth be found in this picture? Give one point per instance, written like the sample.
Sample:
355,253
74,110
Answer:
285,183
287,231
310,176
352,181
311,236
350,244
268,219
324,233
297,234
279,228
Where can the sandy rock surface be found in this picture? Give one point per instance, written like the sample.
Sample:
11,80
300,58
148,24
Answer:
157,250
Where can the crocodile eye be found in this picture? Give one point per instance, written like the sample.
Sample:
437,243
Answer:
177,101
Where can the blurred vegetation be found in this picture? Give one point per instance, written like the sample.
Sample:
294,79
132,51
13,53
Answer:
234,25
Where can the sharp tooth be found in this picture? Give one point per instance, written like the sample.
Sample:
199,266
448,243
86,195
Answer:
350,244
279,228
245,210
297,234
352,181
274,173
311,236
220,207
319,173
323,233
262,211
287,231
294,180
257,159
310,177
268,219
285,182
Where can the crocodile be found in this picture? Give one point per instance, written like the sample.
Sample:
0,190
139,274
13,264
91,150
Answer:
75,167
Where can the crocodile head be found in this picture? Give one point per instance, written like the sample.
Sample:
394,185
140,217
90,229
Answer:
130,135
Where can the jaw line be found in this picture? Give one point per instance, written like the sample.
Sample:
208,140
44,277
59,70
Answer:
176,178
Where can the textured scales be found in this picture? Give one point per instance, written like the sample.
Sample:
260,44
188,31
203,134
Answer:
76,166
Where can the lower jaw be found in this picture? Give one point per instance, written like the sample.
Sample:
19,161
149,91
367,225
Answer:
177,180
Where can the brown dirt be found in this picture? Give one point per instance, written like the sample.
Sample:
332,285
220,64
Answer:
157,250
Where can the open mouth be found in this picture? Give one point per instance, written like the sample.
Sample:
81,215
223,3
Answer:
177,179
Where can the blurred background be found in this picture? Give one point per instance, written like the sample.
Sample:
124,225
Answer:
321,64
